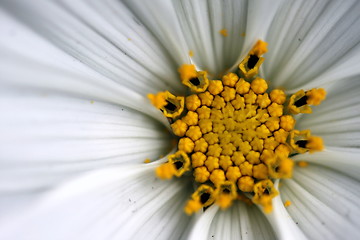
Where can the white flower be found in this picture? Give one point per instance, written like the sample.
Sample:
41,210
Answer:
76,126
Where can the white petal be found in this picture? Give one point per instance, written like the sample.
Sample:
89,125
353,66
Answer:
283,225
201,22
47,139
337,119
99,37
309,41
345,160
260,15
126,203
241,221
324,203
160,18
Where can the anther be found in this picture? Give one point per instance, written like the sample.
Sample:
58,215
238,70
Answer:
196,81
302,141
300,102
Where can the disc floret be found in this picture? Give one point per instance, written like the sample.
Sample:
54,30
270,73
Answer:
235,136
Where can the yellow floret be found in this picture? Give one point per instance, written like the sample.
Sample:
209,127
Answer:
215,87
211,138
203,112
201,174
201,145
217,176
253,157
206,98
250,98
259,85
278,96
287,122
282,150
192,102
228,94
238,158
273,124
218,102
263,100
260,171
214,150
191,118
179,128
275,110
194,132
230,79
225,162
205,125
281,135
246,184
246,168
186,145
198,159
212,163
233,173
242,87
238,102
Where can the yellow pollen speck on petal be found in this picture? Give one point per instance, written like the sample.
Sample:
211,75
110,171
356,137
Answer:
302,164
224,32
287,203
147,160
235,137
191,53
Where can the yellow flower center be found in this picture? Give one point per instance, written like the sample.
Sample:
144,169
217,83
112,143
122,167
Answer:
235,136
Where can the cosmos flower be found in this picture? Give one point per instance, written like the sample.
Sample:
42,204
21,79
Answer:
77,126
